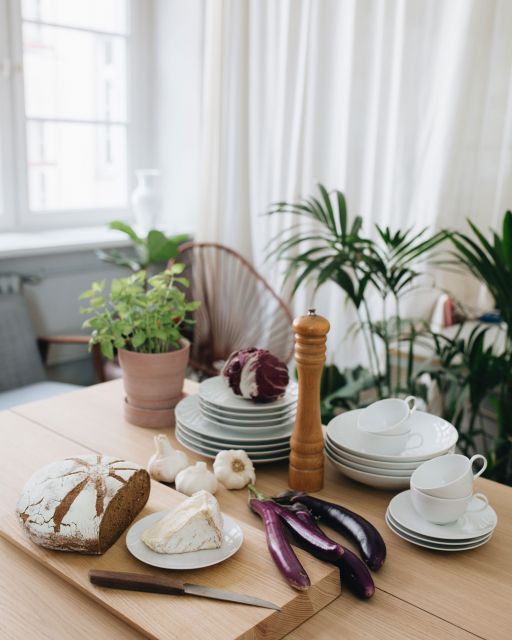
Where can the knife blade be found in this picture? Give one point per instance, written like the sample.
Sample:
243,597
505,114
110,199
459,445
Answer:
163,584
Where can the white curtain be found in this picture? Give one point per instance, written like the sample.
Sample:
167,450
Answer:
405,105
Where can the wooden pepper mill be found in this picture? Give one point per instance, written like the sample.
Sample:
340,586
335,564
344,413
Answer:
306,470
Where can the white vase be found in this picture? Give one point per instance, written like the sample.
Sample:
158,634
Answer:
146,199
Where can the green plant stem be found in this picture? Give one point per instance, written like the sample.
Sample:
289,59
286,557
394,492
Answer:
399,353
374,347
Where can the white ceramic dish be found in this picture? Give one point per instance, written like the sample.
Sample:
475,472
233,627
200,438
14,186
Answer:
439,436
371,479
214,446
208,454
446,510
421,538
248,424
468,526
233,538
188,413
235,415
438,546
212,442
217,392
372,464
361,467
252,427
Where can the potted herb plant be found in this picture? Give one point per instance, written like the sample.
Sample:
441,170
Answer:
142,320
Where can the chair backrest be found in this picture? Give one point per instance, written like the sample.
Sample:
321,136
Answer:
20,362
238,307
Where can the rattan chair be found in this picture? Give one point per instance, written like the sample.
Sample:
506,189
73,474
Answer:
238,307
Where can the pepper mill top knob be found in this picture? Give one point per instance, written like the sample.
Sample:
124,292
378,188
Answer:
311,324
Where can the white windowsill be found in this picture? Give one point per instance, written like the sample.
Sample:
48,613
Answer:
17,245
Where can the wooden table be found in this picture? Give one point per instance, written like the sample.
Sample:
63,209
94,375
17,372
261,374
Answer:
420,593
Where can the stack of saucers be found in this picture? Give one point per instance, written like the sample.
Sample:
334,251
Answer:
348,449
471,530
217,419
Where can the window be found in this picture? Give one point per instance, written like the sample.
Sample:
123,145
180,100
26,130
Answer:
64,111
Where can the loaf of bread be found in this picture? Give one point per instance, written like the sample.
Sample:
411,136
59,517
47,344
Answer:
82,503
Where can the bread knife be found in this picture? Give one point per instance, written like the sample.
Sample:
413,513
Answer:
163,584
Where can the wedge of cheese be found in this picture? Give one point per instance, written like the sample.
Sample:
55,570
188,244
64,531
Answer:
195,524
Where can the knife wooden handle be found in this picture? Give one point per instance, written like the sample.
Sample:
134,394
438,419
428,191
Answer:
136,582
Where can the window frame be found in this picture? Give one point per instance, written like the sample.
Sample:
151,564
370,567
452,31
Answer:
17,215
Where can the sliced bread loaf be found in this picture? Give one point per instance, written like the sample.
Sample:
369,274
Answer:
83,503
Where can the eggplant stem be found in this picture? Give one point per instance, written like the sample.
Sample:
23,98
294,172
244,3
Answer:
254,493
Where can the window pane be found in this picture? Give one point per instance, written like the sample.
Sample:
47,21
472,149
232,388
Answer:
104,15
76,166
73,75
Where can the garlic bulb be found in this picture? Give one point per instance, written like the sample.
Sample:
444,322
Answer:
234,469
196,478
166,462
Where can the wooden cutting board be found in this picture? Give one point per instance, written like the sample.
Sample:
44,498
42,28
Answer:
250,571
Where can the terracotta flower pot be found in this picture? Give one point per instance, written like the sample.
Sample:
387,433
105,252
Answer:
153,383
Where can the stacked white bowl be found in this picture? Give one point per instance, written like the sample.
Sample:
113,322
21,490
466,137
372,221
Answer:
384,443
217,419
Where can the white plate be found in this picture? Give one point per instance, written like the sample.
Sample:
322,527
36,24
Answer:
207,454
235,415
374,464
415,536
212,447
209,442
467,527
233,538
217,392
438,434
253,427
246,424
372,480
396,473
188,413
438,547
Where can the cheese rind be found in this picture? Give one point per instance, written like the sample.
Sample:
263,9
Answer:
193,525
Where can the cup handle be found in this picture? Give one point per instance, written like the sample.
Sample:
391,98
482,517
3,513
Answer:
418,444
410,401
483,500
473,459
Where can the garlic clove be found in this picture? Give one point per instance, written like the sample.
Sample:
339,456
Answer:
234,469
196,478
166,462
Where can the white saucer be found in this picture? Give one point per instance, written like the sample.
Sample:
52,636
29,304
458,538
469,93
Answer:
397,473
415,536
403,465
438,437
188,413
211,453
233,538
217,392
467,527
371,479
438,546
212,442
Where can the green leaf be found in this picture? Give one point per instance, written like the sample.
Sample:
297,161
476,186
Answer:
160,248
125,228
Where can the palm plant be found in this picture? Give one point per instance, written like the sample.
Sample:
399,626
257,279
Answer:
335,250
491,263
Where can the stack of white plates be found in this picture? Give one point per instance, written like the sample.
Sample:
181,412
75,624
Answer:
345,448
471,530
217,419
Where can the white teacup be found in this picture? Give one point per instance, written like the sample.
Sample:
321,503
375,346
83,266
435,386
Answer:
387,417
390,445
444,510
449,476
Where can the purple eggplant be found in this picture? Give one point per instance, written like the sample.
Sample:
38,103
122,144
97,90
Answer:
280,549
353,572
346,522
